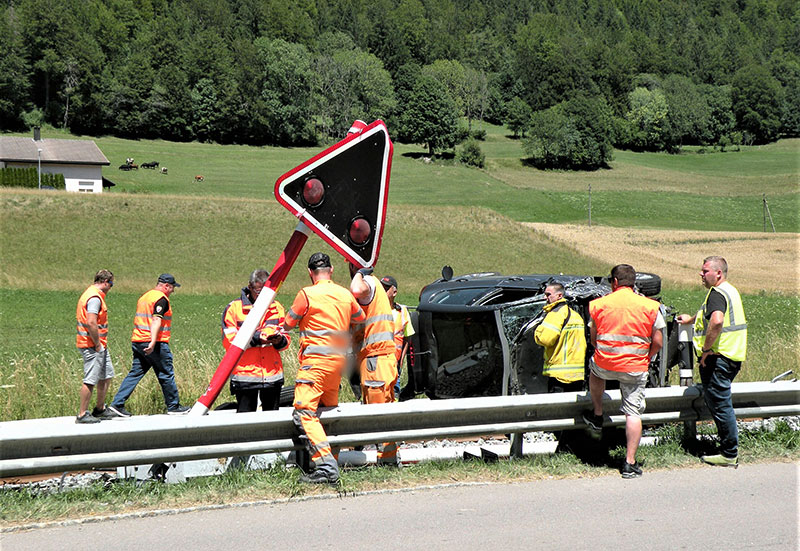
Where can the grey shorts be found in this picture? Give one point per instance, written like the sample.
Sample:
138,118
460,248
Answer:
96,366
631,385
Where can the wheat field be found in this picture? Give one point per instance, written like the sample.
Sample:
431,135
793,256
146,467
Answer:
757,262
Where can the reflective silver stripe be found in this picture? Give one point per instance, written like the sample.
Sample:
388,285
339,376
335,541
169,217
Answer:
740,327
563,367
324,350
254,378
294,316
324,333
100,326
272,322
309,412
142,327
624,338
550,326
149,316
386,336
623,350
354,317
83,333
374,384
728,304
379,317
230,330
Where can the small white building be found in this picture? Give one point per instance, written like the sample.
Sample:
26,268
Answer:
80,161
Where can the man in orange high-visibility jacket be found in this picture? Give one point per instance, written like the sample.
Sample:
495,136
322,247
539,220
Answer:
626,333
91,339
259,372
374,345
152,327
323,312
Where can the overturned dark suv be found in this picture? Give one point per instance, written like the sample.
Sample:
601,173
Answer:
474,333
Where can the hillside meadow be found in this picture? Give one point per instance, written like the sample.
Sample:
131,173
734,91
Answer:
212,234
211,245
710,191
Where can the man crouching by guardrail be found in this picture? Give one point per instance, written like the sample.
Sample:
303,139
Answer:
625,331
720,341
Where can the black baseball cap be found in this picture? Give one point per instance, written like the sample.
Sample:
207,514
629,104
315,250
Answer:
319,260
168,278
389,281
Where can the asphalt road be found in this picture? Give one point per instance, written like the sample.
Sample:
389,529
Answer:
754,507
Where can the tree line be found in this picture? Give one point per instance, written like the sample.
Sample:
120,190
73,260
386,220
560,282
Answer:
573,79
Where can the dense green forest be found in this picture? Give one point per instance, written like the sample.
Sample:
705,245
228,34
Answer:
573,78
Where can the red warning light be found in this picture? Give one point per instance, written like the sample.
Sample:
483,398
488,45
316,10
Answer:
360,231
313,192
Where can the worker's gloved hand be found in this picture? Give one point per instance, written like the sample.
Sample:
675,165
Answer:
365,271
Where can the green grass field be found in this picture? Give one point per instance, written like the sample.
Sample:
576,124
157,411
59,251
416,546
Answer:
212,234
712,191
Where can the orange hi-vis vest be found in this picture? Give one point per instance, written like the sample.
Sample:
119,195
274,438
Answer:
83,340
375,336
260,363
401,318
324,312
624,322
144,315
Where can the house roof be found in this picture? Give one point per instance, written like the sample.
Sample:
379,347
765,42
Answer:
84,152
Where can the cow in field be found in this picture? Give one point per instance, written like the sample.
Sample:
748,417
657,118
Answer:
163,170
151,164
199,178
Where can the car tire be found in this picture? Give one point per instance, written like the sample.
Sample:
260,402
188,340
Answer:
287,396
648,284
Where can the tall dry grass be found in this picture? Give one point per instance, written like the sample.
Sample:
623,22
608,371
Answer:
757,261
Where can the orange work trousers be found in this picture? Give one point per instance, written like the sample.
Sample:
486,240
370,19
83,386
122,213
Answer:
317,384
378,376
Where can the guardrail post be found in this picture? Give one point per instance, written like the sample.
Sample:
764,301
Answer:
516,445
686,370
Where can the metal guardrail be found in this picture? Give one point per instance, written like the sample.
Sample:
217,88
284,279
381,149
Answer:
54,445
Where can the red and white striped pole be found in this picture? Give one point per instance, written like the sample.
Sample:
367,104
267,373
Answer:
253,319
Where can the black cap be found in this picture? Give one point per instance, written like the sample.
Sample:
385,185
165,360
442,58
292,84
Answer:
389,281
168,278
319,260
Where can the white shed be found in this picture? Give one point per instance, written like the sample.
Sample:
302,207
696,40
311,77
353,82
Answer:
80,161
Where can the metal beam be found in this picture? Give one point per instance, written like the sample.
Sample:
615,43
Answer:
52,445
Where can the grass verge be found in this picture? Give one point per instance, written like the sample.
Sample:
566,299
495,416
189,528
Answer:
19,507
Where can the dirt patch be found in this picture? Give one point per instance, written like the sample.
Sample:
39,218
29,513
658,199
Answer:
757,261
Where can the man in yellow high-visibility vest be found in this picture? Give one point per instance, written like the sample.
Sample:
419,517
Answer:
720,342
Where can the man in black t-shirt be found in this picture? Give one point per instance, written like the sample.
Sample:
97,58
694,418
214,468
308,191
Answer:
720,341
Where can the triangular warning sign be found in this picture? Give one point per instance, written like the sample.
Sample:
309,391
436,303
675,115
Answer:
341,193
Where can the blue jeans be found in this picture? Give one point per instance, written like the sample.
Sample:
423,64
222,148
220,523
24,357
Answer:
161,362
717,376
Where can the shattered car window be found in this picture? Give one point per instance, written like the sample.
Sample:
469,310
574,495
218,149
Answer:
516,317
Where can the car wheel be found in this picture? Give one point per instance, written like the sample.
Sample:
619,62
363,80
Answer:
287,396
648,284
